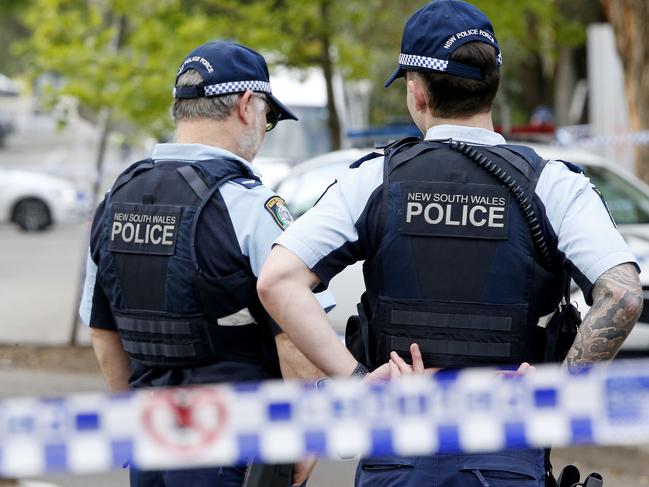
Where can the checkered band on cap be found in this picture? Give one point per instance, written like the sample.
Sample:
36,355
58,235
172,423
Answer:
237,87
423,62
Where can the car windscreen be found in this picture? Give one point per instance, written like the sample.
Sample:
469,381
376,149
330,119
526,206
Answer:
628,204
299,140
302,191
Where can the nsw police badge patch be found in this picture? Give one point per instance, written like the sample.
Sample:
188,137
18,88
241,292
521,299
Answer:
277,207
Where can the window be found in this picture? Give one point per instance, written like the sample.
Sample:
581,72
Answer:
303,190
299,140
628,204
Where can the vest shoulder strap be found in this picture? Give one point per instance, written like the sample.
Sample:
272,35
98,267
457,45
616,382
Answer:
527,159
198,185
398,153
513,158
214,169
133,170
194,181
399,144
205,177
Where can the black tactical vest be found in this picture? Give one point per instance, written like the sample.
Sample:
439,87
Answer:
457,268
167,309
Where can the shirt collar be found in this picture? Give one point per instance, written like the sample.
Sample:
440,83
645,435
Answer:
472,135
196,152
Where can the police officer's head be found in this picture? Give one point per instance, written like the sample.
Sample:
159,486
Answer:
227,83
451,61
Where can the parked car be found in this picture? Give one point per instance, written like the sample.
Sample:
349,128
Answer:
304,184
627,198
34,201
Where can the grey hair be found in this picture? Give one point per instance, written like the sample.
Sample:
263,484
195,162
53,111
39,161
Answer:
214,107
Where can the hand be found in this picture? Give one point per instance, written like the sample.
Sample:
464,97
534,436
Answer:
397,367
523,369
380,374
302,470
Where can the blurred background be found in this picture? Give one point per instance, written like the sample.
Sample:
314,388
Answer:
86,89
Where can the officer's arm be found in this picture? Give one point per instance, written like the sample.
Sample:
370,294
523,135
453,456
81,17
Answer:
293,363
284,288
617,304
112,358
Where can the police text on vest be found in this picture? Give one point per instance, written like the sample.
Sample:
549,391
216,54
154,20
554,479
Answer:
471,210
145,229
454,209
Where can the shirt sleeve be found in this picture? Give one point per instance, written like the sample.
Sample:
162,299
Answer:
94,309
259,217
586,234
335,232
256,226
89,283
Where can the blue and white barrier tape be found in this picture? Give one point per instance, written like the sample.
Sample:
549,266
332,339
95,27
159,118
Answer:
466,411
579,138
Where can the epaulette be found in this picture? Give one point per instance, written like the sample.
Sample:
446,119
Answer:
365,158
247,182
130,172
572,166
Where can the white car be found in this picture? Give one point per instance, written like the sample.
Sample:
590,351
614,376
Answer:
627,198
34,201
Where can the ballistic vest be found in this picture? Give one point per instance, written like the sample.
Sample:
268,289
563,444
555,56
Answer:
167,309
457,268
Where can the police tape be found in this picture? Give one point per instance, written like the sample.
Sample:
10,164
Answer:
566,138
473,410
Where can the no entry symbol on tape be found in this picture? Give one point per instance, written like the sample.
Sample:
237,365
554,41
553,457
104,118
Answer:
185,420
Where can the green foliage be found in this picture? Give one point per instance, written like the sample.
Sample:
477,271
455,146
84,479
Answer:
535,25
116,54
10,30
122,54
530,33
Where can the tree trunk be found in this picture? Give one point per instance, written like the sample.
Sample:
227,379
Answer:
564,85
630,20
328,71
104,133
104,126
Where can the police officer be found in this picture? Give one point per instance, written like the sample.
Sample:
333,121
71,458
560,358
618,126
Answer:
468,243
178,243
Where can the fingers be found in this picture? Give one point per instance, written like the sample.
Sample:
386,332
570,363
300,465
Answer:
523,369
382,373
417,359
397,366
394,370
404,367
302,470
430,371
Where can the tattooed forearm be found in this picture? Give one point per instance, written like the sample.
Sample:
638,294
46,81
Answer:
617,304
